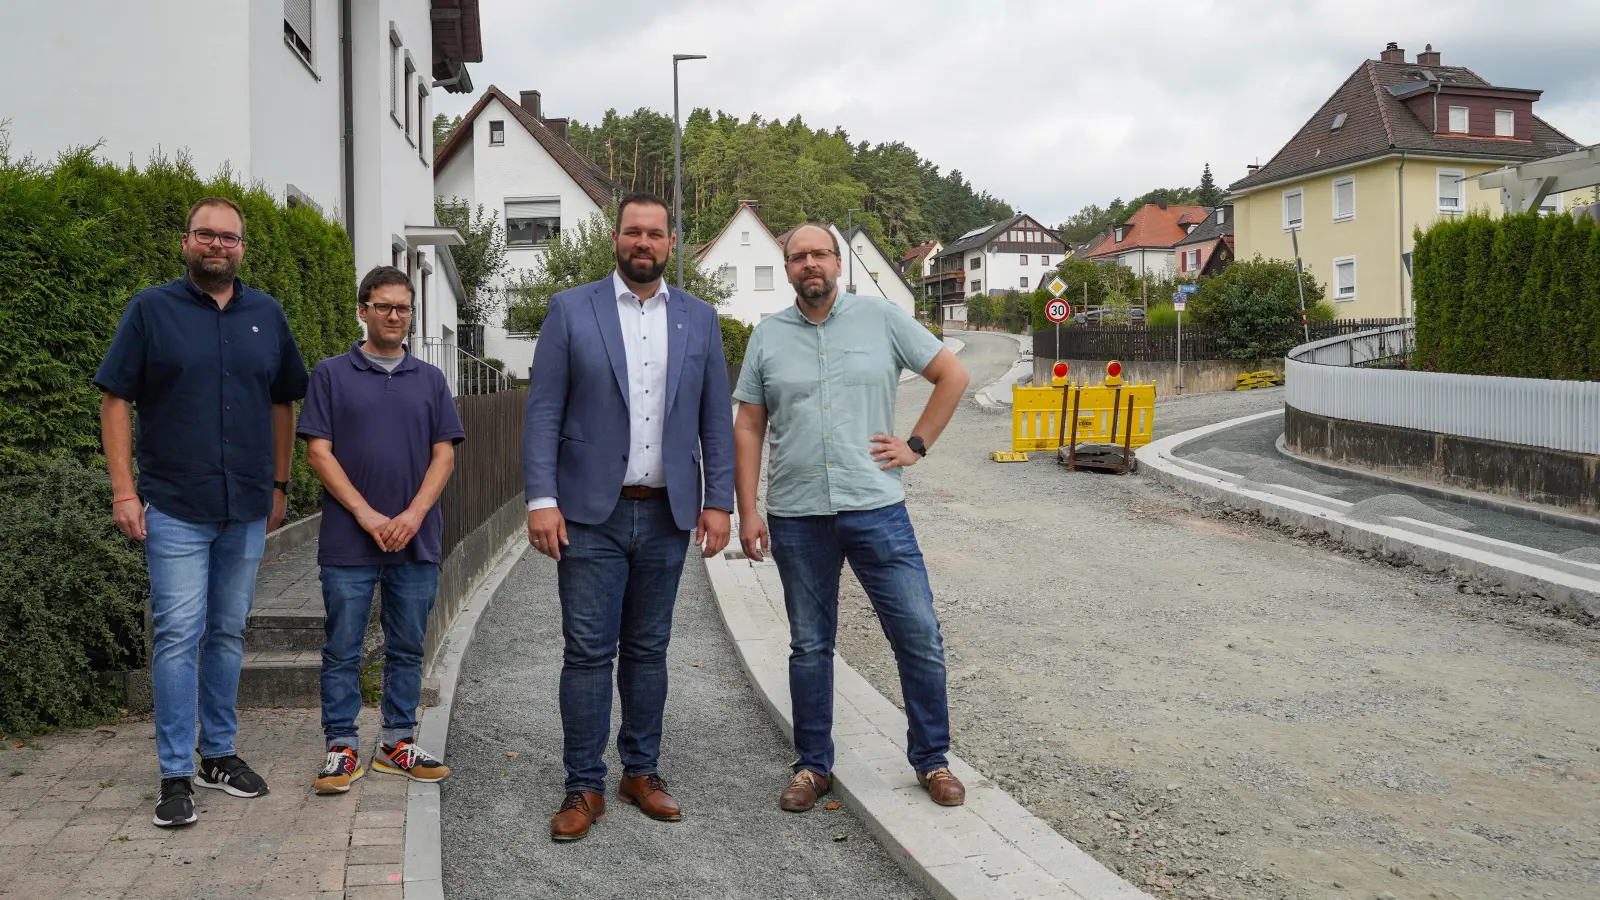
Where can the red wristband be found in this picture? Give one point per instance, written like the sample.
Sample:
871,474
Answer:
123,500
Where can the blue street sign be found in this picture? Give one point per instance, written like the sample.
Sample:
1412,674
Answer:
1188,288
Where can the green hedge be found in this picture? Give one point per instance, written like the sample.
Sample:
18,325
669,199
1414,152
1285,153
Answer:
77,238
735,337
1516,296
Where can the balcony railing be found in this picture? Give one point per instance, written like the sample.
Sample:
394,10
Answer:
466,374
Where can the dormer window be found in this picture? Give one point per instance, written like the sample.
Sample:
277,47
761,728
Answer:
1458,120
1121,231
1505,123
1222,216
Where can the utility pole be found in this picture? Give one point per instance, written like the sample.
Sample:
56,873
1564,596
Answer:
677,164
849,226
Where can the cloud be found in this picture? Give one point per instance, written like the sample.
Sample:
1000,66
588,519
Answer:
1049,105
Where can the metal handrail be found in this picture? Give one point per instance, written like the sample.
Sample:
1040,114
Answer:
466,374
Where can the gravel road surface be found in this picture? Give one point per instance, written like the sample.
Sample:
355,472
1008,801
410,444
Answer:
1219,708
722,756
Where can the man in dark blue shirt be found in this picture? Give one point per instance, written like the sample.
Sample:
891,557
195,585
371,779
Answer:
214,372
381,430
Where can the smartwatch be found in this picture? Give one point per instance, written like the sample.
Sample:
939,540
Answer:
282,486
917,446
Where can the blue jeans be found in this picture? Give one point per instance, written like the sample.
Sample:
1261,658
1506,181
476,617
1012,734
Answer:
408,594
882,550
618,583
202,580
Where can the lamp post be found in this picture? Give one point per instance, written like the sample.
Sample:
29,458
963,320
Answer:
677,163
849,226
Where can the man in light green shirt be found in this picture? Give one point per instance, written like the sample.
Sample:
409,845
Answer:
822,376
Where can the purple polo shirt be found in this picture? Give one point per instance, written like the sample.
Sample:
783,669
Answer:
383,426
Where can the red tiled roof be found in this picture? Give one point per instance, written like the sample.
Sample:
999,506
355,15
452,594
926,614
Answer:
588,176
1150,227
1377,122
917,254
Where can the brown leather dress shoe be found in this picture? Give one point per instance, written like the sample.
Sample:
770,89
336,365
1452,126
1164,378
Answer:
580,810
943,787
649,793
804,789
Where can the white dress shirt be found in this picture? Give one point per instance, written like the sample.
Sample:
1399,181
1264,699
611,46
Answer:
644,341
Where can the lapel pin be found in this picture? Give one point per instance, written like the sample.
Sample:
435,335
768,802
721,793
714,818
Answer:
680,324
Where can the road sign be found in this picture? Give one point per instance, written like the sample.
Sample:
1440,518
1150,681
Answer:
1178,304
1057,287
1188,288
1057,310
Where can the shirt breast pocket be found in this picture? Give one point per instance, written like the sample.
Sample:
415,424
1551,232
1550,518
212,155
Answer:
861,366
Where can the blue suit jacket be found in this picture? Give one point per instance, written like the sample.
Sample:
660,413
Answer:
577,434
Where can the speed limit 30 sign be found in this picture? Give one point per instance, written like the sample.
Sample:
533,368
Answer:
1057,310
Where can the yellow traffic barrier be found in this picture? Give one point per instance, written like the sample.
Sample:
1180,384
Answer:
1252,380
1037,413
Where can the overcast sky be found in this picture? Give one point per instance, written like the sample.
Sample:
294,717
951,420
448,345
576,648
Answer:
1048,105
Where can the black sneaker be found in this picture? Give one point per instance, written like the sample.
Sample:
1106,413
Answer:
229,773
175,808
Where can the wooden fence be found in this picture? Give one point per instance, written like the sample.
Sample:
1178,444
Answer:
1161,344
488,463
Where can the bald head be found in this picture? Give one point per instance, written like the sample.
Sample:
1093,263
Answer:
811,261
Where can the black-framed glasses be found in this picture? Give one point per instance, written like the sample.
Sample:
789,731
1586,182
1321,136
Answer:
385,309
207,237
820,256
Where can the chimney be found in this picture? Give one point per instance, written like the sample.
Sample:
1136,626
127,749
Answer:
558,127
530,102
1252,167
1393,53
1161,201
1428,57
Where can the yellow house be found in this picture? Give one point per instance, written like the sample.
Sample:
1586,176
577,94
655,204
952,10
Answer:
1394,149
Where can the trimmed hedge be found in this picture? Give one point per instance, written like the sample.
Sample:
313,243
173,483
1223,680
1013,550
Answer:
735,337
77,238
1516,296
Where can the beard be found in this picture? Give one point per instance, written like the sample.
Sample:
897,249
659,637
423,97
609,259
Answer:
212,273
641,270
815,293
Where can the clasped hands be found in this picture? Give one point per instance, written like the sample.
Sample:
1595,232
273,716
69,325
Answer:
391,534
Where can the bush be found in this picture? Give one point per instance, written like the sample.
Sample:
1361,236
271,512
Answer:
73,592
935,330
1161,315
1248,306
1516,296
735,336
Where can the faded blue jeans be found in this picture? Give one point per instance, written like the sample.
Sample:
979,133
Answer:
409,590
202,581
618,584
882,550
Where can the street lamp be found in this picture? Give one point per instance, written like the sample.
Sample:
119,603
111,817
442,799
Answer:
849,226
677,162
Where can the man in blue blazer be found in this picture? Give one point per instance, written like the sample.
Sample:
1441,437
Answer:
629,403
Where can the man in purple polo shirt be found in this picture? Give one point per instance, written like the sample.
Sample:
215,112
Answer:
381,430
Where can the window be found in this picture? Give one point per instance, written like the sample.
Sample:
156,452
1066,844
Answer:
1344,199
531,223
1338,121
975,263
1450,187
744,238
1550,205
394,76
1189,260
977,286
1294,207
763,278
1044,260
1121,230
1222,215
1024,259
1023,282
1344,278
1458,120
729,276
422,120
406,87
1505,123
497,133
297,27
394,256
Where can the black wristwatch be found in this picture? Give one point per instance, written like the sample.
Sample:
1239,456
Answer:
917,446
282,486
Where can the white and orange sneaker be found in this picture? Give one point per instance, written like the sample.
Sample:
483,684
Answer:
409,760
341,770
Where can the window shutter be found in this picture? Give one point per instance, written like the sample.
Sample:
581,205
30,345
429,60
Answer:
533,209
763,278
297,15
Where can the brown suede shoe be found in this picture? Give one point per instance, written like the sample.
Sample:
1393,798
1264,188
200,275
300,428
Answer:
943,787
580,810
649,793
804,790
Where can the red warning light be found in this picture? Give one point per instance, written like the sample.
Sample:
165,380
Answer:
1060,370
1114,369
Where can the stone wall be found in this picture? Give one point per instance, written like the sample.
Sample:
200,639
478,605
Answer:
1202,376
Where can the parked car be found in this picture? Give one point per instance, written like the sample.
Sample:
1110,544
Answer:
1093,316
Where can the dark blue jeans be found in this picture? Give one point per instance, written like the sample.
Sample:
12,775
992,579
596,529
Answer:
408,594
618,583
882,550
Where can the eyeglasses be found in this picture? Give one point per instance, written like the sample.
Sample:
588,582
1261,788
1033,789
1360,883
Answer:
384,309
208,237
820,256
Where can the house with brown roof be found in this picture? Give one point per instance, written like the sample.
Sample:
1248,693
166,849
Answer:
509,156
1208,247
1015,254
1393,149
1145,241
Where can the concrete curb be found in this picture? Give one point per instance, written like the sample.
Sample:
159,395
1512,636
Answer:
423,869
997,394
1567,585
990,848
290,536
1024,341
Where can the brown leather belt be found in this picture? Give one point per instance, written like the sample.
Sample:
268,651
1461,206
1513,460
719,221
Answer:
640,492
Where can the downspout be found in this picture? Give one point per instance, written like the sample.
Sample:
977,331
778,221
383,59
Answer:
346,71
1436,86
1400,190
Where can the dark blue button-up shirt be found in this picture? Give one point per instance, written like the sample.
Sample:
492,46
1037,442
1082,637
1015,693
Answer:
383,426
203,381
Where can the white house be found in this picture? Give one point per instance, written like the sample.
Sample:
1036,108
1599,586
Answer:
749,260
506,155
1016,254
882,276
323,102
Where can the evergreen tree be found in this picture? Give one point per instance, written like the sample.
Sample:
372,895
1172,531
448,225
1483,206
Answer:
1208,193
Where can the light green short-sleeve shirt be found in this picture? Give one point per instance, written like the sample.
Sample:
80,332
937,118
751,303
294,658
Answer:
828,389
